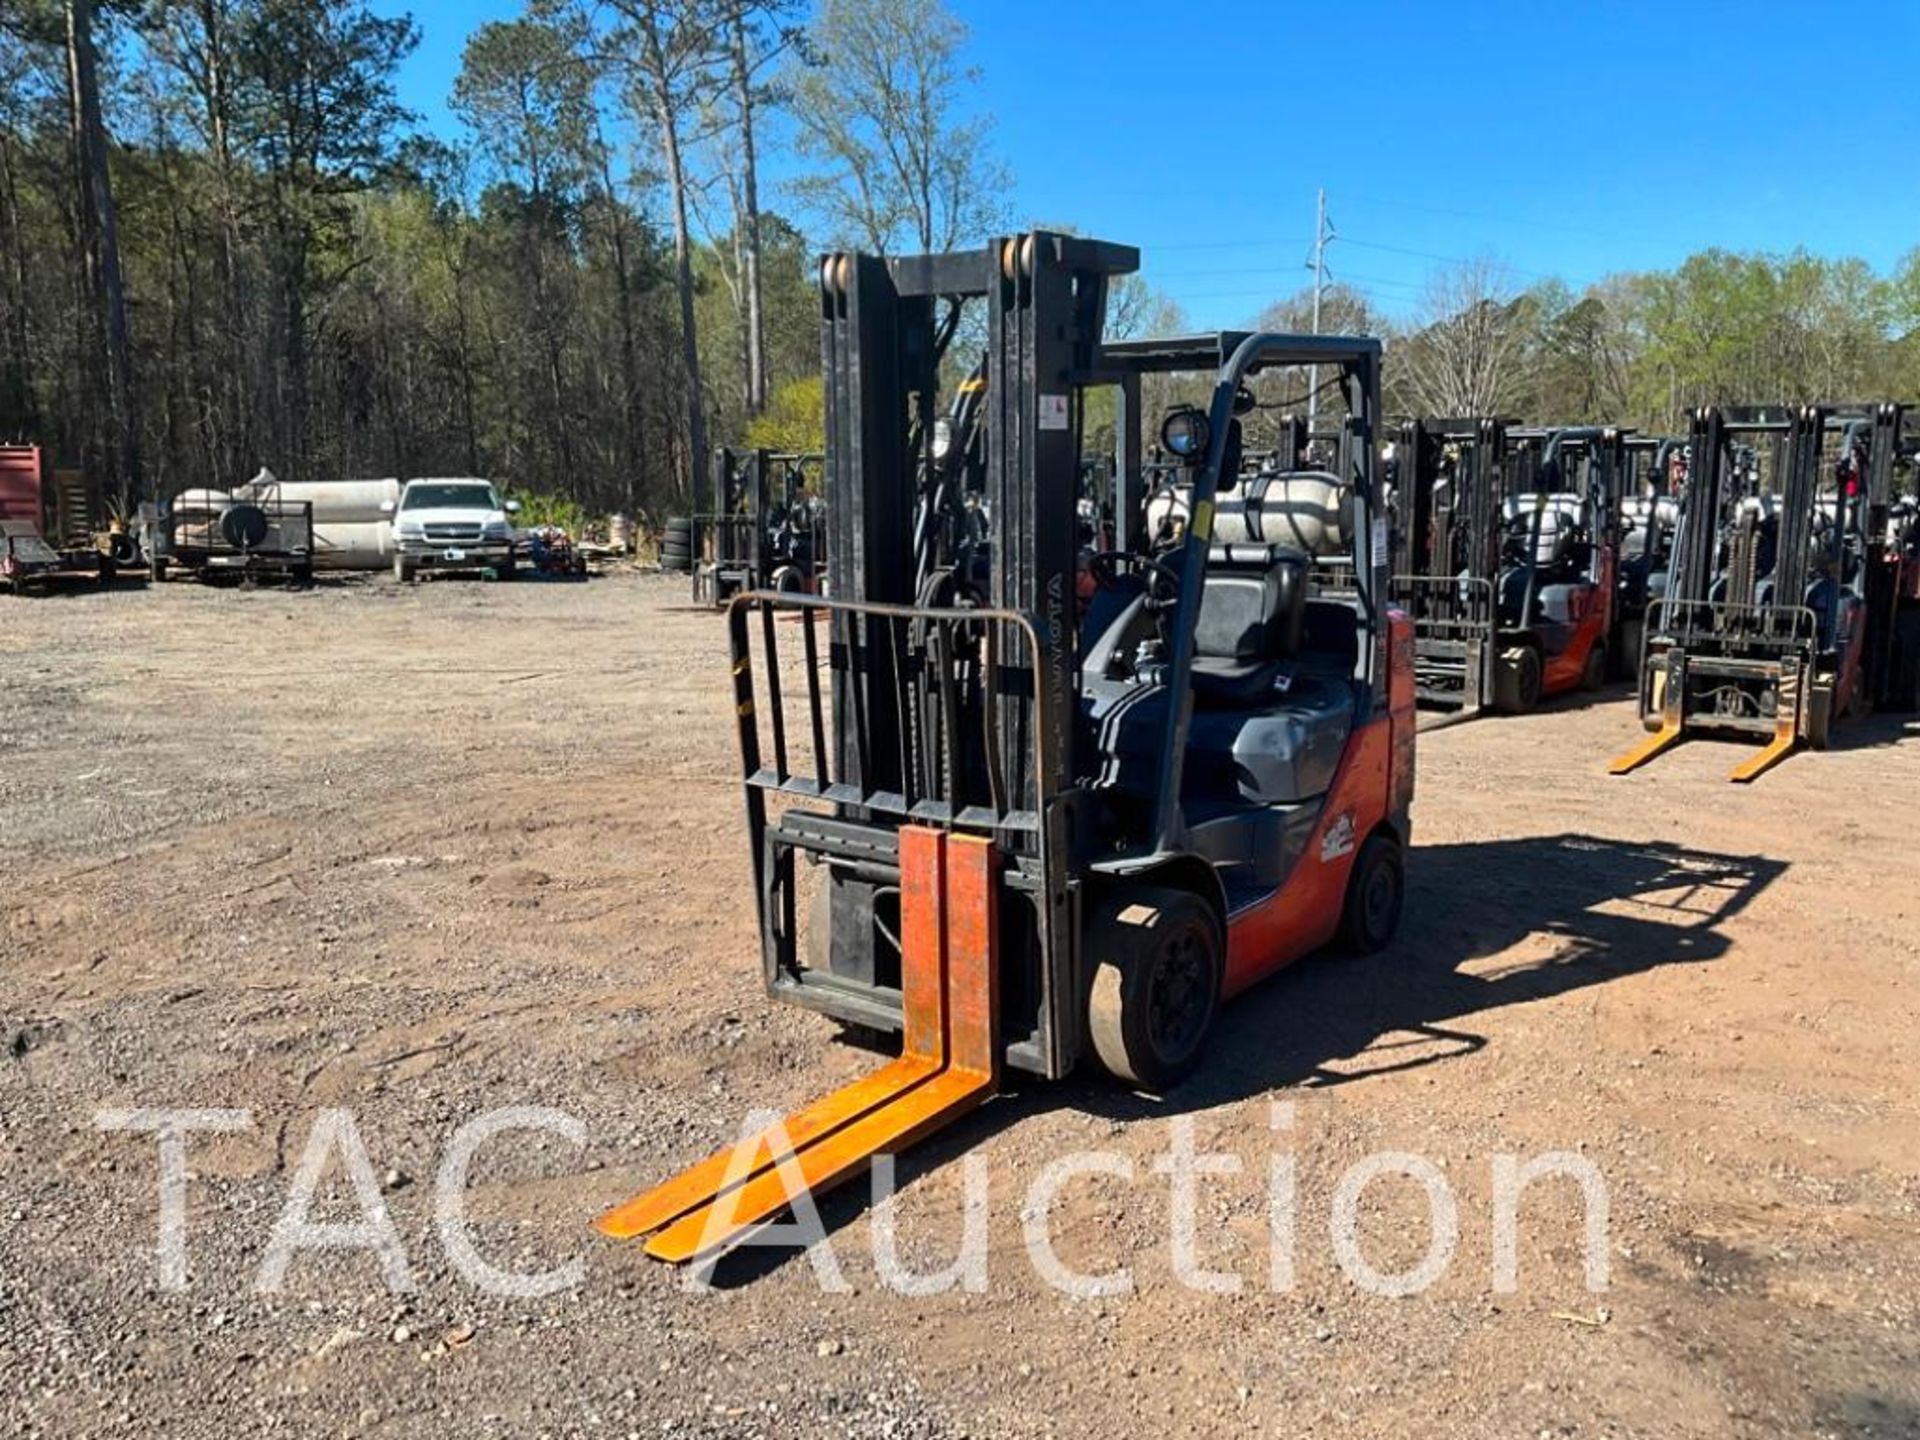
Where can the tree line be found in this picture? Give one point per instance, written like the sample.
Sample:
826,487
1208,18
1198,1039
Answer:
227,243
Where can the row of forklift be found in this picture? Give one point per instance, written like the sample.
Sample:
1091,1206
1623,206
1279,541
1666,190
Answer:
1756,576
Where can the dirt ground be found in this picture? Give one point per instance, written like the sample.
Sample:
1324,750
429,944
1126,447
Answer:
418,854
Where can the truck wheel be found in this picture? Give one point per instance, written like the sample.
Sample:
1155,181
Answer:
1516,680
1376,890
403,569
1158,956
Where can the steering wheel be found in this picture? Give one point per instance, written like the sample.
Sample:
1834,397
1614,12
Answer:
1162,580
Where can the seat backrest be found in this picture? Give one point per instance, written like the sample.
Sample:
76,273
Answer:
1253,603
1560,520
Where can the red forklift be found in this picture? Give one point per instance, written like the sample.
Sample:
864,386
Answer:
1507,555
1024,823
1785,609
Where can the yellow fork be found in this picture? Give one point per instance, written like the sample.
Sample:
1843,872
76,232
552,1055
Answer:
949,924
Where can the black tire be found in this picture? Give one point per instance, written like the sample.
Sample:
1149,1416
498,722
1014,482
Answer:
1594,677
1516,680
1626,649
506,569
1819,716
679,527
675,562
1158,956
403,570
302,576
1906,662
1376,893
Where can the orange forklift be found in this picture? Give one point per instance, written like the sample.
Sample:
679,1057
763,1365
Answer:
1026,805
1785,609
1507,551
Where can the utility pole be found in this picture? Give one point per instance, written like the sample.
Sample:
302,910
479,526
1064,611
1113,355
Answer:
1322,233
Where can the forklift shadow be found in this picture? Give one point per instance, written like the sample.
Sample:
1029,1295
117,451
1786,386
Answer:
1588,911
1435,717
1876,731
1585,911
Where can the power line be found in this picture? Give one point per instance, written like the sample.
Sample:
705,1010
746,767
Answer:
1443,259
1488,219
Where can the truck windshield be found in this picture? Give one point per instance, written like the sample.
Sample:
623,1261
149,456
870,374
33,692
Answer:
450,497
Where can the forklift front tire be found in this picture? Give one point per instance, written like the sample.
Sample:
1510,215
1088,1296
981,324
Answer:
1158,957
1819,716
1598,668
1516,681
1376,890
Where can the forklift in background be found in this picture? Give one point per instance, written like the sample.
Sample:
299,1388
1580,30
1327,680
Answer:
762,526
1507,550
1784,612
1022,824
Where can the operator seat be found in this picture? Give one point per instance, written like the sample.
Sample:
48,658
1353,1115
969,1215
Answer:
1252,610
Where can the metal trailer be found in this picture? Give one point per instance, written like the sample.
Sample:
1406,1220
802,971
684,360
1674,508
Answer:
762,526
1038,827
224,538
1784,612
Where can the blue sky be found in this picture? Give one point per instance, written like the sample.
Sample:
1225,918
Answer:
1562,138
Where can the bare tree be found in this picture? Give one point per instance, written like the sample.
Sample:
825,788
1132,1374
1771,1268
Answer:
100,234
1462,355
670,50
881,114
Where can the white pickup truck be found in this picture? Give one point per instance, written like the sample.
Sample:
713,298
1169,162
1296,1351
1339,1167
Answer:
451,525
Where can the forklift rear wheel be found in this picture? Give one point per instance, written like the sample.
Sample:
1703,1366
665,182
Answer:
1626,652
1516,680
1375,892
1598,667
1156,984
1906,662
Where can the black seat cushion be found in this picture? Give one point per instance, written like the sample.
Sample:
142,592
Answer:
1252,608
1219,681
1253,603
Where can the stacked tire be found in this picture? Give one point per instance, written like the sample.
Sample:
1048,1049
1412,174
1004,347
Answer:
676,546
